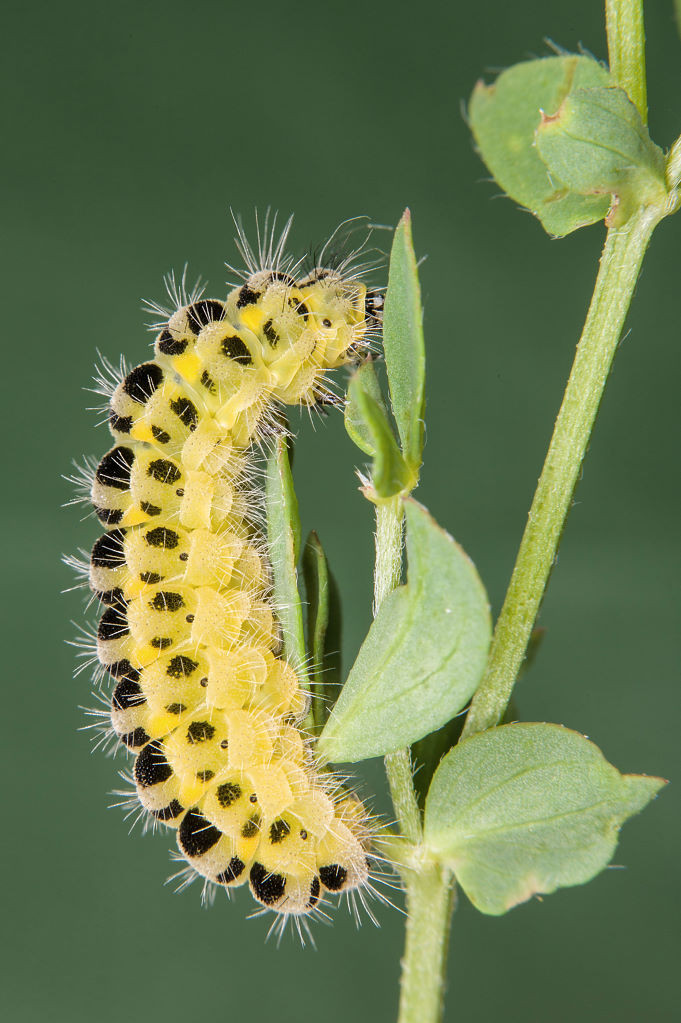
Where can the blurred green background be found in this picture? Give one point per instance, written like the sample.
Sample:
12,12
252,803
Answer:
129,130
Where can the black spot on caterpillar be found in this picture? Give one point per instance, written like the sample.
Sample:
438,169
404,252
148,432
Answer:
251,827
185,410
197,835
181,666
234,870
141,383
228,793
151,578
114,468
107,551
159,435
279,830
166,601
168,345
267,887
120,424
127,694
204,312
123,669
133,740
109,516
333,877
315,888
200,731
202,695
164,471
234,348
246,296
270,333
169,812
151,767
162,537
113,624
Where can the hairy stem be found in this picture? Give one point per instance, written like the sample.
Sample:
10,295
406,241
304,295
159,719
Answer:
430,902
620,264
619,269
429,887
388,566
626,49
387,576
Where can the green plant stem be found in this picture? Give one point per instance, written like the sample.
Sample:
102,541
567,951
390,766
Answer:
388,566
429,886
387,576
619,268
626,49
430,903
398,769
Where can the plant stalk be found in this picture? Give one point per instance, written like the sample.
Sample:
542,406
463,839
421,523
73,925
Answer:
387,576
429,886
619,269
430,903
626,50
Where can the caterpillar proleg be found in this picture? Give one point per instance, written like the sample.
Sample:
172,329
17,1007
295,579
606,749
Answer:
200,693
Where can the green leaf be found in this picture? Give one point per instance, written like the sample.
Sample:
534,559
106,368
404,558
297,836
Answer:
355,423
525,809
504,118
678,15
596,143
323,628
429,751
403,343
390,474
424,655
283,535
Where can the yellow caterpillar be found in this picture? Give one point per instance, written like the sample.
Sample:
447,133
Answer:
201,694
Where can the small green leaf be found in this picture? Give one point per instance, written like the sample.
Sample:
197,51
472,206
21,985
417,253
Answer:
355,423
403,344
597,144
504,118
424,655
390,474
323,628
678,16
525,809
283,534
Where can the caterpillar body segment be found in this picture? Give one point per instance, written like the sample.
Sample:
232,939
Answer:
201,695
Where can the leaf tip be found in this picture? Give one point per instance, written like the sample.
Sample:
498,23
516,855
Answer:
651,782
481,88
327,745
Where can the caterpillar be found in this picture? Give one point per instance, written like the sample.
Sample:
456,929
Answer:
202,696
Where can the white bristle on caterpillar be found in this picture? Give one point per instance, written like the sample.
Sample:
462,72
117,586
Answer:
188,634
